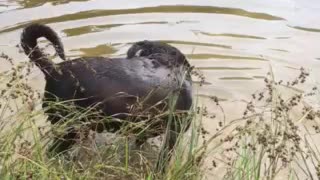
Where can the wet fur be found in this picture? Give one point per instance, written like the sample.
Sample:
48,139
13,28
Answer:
111,85
147,48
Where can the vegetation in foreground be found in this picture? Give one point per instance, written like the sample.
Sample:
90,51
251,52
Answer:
266,142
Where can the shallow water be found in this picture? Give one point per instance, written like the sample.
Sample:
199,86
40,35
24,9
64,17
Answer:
233,43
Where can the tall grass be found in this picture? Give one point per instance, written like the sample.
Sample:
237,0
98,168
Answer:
269,140
25,137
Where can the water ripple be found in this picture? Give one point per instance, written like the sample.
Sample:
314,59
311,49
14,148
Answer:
157,9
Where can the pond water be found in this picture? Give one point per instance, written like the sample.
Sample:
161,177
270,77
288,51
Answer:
233,43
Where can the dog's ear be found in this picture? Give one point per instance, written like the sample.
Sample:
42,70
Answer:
138,53
134,51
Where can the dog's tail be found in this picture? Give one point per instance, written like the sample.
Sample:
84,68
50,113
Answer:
29,38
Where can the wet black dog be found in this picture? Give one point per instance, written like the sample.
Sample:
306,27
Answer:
111,86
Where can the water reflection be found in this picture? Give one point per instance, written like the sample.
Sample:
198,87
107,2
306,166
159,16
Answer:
35,3
98,28
305,29
221,56
158,9
96,51
233,35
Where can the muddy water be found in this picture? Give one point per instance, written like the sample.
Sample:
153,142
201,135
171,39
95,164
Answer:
233,43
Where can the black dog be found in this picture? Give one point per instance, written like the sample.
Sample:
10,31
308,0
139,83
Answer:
147,48
111,86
